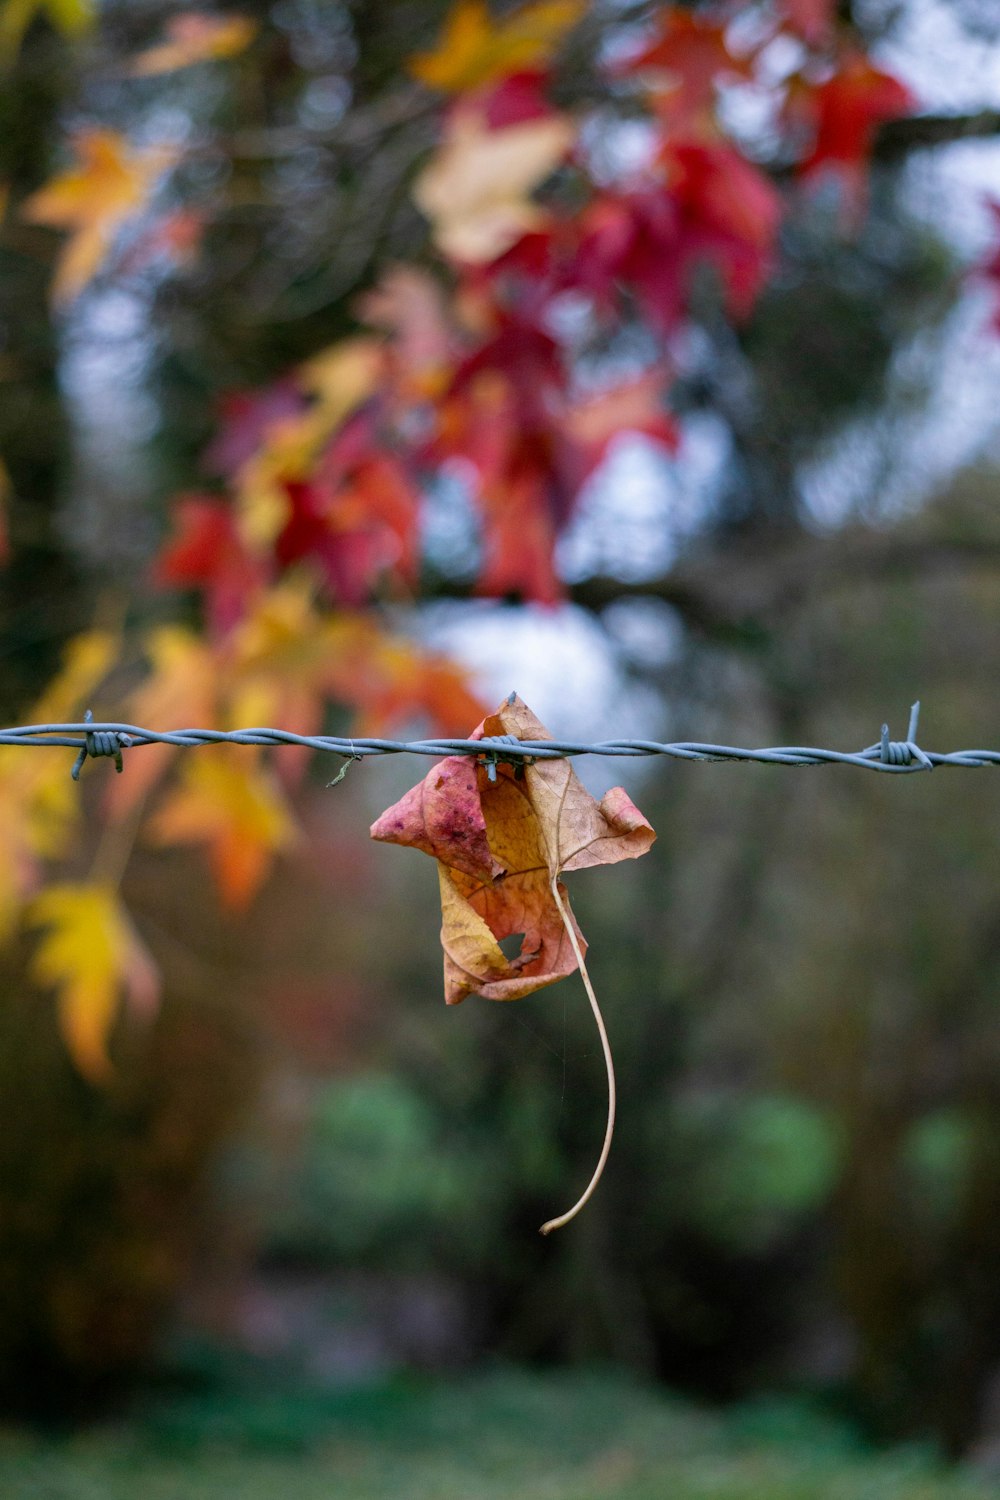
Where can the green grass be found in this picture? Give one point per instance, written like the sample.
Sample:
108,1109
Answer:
502,1436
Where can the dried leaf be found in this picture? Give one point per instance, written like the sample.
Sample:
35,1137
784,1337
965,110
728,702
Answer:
474,50
500,847
90,953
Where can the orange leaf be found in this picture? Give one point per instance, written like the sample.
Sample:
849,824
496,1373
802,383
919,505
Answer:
194,38
181,690
90,953
93,200
391,681
227,800
474,50
501,846
475,189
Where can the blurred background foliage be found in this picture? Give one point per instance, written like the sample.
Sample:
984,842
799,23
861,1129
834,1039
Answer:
303,1155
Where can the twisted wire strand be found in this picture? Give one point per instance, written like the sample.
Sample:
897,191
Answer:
898,757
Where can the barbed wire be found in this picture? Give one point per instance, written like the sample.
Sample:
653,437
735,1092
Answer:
113,739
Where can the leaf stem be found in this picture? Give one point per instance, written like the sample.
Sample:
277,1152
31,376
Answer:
587,1193
115,847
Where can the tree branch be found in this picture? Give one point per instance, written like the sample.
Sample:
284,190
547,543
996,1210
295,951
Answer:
740,594
897,138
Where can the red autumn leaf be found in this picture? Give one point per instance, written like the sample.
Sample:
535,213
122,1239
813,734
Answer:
637,405
245,419
175,238
844,114
812,20
684,65
729,216
209,554
501,846
989,269
356,516
503,417
713,208
514,100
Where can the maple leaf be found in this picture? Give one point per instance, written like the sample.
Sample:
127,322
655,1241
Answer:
989,268
475,189
474,50
279,448
192,38
501,843
227,800
89,955
93,200
500,846
245,420
182,689
174,239
845,113
408,305
280,658
636,405
812,20
503,416
685,64
391,681
71,17
209,553
714,207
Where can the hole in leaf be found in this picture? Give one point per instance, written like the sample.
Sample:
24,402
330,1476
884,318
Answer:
510,946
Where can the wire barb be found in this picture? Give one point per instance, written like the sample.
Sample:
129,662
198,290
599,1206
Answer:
902,752
101,742
495,755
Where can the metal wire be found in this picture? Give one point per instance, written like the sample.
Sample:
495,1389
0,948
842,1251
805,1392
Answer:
111,739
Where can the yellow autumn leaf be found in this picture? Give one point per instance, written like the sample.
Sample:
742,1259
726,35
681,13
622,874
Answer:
86,661
342,376
93,200
475,189
39,805
228,801
474,50
192,38
71,17
90,955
